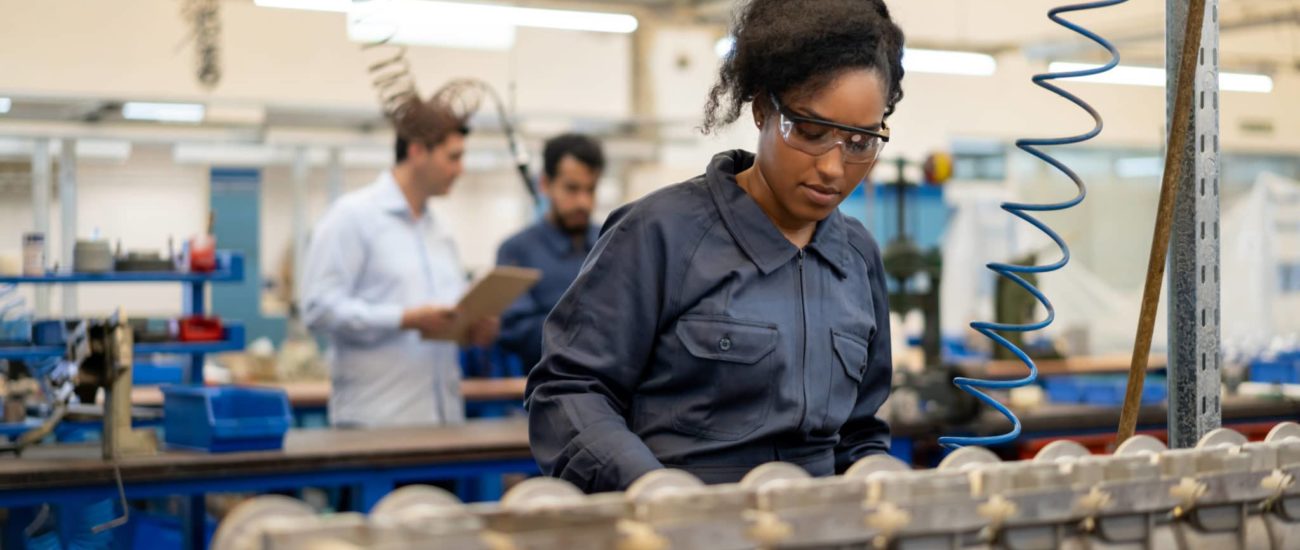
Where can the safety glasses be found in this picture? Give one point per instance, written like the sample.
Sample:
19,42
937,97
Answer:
817,137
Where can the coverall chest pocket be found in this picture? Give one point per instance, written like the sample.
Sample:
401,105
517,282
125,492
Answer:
729,375
846,377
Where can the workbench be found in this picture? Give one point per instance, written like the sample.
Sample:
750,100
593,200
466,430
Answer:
370,462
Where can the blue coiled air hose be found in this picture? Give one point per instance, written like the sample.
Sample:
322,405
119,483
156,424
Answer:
975,386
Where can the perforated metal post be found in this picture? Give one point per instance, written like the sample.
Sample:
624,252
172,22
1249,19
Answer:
1194,356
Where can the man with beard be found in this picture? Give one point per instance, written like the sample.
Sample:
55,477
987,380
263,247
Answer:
556,244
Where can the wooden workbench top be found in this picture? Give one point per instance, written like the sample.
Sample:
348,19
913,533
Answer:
317,393
304,451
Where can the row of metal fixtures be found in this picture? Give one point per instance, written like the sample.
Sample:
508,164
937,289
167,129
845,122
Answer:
1225,493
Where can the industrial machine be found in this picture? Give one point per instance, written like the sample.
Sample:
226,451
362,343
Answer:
916,274
98,357
1226,493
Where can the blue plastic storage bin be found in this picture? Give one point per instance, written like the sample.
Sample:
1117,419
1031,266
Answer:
147,374
1285,369
225,419
1101,390
1101,393
1063,389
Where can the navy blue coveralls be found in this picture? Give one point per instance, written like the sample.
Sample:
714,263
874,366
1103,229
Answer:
698,337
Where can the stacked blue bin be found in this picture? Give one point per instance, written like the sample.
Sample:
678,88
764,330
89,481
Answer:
1281,368
1101,390
225,419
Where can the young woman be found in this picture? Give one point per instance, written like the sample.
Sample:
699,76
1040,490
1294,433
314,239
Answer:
739,318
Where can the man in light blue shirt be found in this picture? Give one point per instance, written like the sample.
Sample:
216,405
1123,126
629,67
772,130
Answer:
382,276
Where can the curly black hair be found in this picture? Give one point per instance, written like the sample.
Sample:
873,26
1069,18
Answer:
800,45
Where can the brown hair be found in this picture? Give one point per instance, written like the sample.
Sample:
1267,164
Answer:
427,122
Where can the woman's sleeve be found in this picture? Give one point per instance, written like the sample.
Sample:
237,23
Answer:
865,433
596,343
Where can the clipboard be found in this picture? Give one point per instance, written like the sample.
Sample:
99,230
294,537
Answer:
490,295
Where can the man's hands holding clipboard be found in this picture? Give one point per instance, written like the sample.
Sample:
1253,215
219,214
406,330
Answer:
476,319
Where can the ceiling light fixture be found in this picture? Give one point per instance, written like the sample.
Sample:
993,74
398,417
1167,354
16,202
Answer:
455,24
163,112
1155,76
948,62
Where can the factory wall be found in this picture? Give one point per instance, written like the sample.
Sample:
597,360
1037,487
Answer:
145,199
141,201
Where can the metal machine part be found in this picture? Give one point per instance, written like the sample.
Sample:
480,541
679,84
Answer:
98,357
1228,493
904,263
245,527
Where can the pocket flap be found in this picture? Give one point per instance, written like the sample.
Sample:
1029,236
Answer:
719,338
852,353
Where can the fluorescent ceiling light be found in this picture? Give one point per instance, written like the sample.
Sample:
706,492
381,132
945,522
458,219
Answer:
421,23
948,62
1153,76
916,61
1244,82
314,5
163,112
723,46
1139,167
555,19
457,18
5,104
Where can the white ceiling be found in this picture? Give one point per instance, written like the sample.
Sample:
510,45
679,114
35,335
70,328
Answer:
1255,33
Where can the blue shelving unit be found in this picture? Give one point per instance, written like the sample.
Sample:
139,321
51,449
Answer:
230,268
30,352
233,340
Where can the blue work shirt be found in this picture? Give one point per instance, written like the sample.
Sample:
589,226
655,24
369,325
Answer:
545,247
369,260
698,337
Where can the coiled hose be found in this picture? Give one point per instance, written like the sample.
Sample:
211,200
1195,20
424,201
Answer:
1025,211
